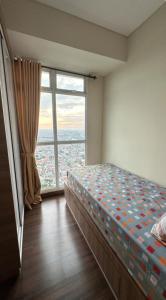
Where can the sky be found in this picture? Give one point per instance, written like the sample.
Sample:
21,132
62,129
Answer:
70,109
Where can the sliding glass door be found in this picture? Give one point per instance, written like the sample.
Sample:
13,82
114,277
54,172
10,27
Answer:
62,127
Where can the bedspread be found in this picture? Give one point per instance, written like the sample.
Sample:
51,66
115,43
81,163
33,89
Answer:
125,206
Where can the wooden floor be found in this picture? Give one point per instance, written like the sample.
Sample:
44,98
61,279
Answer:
57,263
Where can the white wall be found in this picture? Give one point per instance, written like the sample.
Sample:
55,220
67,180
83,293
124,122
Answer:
94,120
134,127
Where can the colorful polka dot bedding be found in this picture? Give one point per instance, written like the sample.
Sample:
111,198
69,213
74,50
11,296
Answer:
125,208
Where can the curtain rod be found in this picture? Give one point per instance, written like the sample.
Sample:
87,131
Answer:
70,72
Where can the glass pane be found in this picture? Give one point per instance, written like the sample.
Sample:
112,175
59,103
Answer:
70,117
45,132
45,79
69,156
45,160
70,83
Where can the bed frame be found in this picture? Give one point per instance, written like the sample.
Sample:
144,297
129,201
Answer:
122,285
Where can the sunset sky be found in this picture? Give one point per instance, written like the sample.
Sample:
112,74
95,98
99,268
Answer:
70,111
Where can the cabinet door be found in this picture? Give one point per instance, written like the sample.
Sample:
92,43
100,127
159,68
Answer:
11,142
14,128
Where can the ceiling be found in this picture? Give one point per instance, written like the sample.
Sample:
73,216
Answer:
66,58
122,16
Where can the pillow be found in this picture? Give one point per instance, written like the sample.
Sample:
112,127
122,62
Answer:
159,230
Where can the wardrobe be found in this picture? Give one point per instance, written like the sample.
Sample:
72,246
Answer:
11,191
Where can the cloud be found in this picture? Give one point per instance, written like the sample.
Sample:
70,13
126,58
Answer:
70,83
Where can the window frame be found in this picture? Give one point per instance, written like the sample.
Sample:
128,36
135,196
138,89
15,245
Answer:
53,90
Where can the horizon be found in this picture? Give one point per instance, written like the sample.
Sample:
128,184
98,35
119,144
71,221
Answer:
47,134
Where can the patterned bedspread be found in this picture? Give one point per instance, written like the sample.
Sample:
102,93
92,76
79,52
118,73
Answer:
125,207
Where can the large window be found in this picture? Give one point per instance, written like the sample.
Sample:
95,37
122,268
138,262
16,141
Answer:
61,135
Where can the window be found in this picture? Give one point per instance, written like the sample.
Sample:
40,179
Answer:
61,139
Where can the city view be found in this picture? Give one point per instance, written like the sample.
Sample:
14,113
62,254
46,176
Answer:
69,156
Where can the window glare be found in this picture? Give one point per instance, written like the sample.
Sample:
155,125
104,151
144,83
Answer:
70,83
45,79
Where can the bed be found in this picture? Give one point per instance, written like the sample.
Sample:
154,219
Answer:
115,211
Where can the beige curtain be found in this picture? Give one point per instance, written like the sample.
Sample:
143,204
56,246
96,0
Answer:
27,90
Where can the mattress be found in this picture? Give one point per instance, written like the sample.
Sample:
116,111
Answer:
124,207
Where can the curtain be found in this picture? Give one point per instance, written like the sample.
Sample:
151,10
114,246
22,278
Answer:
27,91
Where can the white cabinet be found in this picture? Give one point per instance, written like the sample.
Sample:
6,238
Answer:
11,191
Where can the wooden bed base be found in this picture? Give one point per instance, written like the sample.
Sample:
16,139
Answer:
122,285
